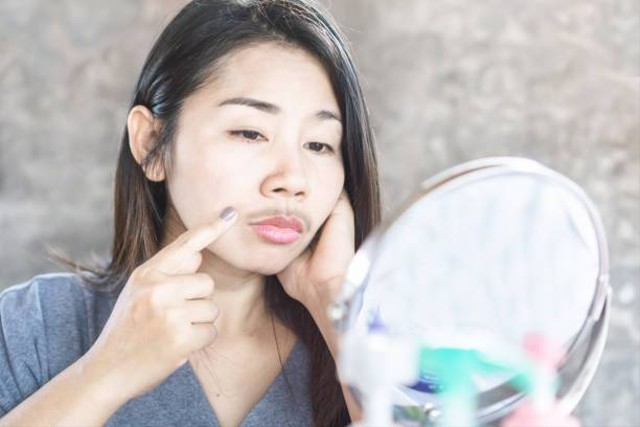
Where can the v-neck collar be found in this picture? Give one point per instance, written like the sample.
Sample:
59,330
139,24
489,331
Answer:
198,409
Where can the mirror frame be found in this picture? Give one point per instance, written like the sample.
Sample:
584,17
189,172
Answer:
588,343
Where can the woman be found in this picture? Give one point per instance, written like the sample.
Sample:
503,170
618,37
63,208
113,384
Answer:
246,179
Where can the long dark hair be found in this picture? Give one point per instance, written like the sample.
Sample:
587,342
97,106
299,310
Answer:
182,60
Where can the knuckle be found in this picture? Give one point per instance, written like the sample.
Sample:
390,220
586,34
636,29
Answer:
214,311
154,297
179,343
140,308
190,263
146,303
206,281
173,319
207,313
208,334
178,336
142,275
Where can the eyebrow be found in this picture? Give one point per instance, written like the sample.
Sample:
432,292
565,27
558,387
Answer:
269,108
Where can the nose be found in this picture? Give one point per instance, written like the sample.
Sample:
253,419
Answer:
287,177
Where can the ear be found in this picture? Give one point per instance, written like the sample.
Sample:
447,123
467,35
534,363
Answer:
141,127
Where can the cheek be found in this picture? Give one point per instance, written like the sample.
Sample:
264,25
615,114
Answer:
201,187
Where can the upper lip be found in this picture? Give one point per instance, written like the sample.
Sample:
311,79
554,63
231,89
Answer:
282,221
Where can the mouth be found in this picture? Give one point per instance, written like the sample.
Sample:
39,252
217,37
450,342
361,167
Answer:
279,229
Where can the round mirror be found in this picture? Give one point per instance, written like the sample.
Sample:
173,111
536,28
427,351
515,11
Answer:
480,257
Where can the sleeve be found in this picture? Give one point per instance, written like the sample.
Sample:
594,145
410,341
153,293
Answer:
22,344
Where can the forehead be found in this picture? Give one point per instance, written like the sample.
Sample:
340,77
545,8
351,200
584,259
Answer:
277,72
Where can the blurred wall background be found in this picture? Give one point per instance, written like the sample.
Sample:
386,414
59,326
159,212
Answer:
447,81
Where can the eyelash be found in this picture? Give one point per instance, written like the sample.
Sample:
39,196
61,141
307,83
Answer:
243,134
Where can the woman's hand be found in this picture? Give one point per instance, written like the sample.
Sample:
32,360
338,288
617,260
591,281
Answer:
315,277
163,314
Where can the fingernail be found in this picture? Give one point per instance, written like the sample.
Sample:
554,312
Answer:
228,213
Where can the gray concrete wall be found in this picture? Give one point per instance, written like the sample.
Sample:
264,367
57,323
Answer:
447,81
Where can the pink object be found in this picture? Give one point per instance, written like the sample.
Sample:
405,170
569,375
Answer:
542,350
542,410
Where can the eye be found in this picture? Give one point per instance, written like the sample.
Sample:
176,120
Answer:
320,147
250,135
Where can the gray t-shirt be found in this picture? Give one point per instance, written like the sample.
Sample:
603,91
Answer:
48,323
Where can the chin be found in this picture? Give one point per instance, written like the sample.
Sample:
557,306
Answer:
271,268
264,265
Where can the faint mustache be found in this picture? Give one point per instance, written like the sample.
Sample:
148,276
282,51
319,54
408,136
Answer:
255,216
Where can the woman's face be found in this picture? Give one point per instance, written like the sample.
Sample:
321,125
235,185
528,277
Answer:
264,137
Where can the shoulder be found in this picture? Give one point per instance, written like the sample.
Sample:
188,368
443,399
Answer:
46,324
55,314
33,286
28,300
47,296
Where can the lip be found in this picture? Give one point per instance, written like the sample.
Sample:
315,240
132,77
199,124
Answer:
279,229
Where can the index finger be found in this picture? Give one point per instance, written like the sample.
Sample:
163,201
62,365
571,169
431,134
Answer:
200,237
196,239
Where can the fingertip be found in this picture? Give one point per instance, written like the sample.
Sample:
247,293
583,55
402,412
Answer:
206,234
228,214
